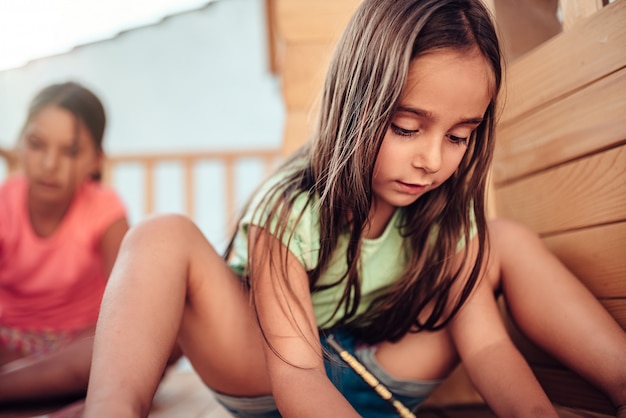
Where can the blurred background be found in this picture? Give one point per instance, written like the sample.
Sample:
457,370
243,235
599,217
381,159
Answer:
175,76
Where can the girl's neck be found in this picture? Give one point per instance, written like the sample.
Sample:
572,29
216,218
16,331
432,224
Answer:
378,219
45,217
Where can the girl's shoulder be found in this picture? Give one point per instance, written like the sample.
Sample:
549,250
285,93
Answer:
98,192
97,205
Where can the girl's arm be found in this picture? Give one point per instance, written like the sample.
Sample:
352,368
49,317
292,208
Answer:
293,351
110,243
494,365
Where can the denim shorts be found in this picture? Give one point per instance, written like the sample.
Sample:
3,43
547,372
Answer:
361,396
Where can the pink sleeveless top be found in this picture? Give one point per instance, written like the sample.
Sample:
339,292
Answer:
54,282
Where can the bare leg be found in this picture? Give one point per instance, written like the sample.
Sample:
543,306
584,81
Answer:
557,312
62,374
168,282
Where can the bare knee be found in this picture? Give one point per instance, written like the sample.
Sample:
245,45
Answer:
161,225
171,231
157,250
507,233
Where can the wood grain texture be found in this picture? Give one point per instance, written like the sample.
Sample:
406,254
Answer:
312,20
566,388
297,130
591,191
574,11
574,58
585,122
597,257
304,69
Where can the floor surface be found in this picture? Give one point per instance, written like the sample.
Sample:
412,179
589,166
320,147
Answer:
183,395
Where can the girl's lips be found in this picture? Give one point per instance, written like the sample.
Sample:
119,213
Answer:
48,184
411,188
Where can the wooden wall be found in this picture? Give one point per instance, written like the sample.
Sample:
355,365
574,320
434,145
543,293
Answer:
560,167
303,34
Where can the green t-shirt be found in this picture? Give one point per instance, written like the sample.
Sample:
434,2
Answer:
382,260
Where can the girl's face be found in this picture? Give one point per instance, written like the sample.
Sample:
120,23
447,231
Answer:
443,101
58,155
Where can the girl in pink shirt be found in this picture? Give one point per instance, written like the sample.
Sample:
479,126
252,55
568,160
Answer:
60,231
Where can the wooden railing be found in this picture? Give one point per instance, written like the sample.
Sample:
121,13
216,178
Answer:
144,201
8,160
188,163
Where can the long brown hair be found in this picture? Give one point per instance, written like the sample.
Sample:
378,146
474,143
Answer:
362,90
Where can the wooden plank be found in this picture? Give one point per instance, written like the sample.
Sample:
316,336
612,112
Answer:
273,43
552,70
457,388
144,158
149,187
596,257
11,159
587,192
573,11
567,388
297,130
585,122
309,20
231,215
190,187
515,18
304,69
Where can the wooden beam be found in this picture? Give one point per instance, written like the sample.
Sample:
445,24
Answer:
573,11
583,123
303,73
596,256
313,20
567,62
587,192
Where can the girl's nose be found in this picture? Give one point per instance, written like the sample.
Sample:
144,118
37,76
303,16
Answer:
50,160
428,156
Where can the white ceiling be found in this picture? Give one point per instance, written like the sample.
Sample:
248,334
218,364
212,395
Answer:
31,29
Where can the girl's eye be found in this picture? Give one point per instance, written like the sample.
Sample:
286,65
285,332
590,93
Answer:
403,132
71,151
33,143
457,139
